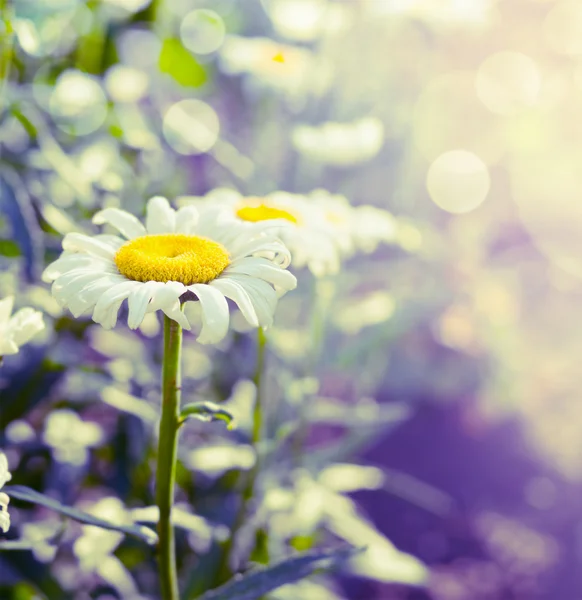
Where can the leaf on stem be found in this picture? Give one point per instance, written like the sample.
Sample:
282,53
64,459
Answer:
21,492
207,411
258,582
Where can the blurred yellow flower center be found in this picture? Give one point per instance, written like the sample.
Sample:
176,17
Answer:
262,212
172,257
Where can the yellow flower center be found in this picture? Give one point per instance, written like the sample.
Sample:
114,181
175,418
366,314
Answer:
172,257
263,212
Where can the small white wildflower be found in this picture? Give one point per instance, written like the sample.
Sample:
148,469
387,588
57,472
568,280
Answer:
18,329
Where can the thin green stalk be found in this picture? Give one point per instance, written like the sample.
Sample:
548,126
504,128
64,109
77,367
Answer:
167,455
224,572
6,45
322,295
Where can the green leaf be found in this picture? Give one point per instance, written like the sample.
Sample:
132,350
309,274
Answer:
258,582
21,492
9,248
206,411
177,62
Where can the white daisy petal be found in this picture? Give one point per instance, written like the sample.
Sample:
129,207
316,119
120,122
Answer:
8,346
174,311
66,286
264,269
127,224
244,247
69,262
262,295
237,293
86,298
138,302
5,474
107,307
160,216
95,274
215,317
6,306
95,246
167,299
186,220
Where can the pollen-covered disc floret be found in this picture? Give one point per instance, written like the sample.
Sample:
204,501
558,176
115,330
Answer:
177,256
172,257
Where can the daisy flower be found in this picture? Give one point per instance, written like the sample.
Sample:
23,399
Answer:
18,329
173,258
301,225
340,144
4,499
320,228
354,228
290,69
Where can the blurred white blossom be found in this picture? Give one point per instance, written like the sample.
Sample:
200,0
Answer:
18,329
95,547
302,225
290,69
306,20
41,536
354,229
70,437
216,459
340,144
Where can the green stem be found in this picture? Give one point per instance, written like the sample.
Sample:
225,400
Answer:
6,45
167,455
258,411
224,572
322,295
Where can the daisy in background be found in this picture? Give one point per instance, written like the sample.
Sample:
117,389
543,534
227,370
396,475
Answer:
18,329
4,499
320,229
355,228
293,70
340,144
175,257
301,225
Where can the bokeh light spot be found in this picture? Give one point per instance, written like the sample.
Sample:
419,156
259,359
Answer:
78,104
138,48
297,19
126,84
563,28
202,31
458,181
508,82
547,193
191,126
448,115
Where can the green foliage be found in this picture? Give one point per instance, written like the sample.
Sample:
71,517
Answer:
261,581
177,62
21,492
206,411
